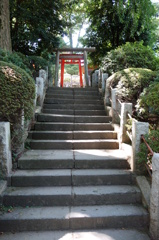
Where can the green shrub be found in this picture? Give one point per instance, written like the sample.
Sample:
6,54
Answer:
17,59
130,55
131,85
17,91
152,139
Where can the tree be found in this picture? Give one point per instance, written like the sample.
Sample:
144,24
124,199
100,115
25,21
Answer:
75,17
114,22
36,25
5,38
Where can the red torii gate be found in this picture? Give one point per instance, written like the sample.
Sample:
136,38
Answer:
71,58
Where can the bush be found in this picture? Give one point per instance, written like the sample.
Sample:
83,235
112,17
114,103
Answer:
17,91
17,59
31,64
130,55
152,139
131,85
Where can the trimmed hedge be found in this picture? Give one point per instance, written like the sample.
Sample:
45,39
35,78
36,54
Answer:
130,55
17,91
135,85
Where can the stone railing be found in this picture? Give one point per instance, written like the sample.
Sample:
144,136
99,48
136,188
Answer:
120,113
129,141
5,135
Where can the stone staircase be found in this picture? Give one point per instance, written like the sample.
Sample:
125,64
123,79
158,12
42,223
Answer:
74,182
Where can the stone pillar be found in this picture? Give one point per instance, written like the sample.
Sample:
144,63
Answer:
5,149
40,90
42,74
125,109
99,78
86,69
57,69
107,94
93,79
154,199
113,104
104,78
138,128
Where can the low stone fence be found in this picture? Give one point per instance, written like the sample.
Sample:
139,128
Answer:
5,135
130,142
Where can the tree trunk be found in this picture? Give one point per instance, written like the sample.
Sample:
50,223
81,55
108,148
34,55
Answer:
5,36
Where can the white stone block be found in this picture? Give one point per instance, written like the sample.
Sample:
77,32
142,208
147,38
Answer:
138,129
104,78
5,149
40,90
154,198
43,74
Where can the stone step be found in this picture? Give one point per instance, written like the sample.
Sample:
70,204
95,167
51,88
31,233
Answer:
68,177
71,118
71,196
109,234
72,101
74,144
70,135
72,96
74,106
73,218
63,126
63,159
75,112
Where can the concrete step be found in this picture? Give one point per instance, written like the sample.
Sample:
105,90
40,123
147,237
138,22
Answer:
75,144
73,218
71,118
71,196
72,96
72,101
63,126
63,159
70,135
75,112
74,106
109,234
68,177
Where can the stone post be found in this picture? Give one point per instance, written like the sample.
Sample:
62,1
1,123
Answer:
113,104
154,199
93,79
99,78
125,109
57,69
86,69
40,90
104,78
42,74
138,128
107,95
5,149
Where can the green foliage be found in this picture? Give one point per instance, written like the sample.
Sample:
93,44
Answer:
31,64
148,103
115,22
129,55
36,25
72,69
131,84
17,59
17,91
152,139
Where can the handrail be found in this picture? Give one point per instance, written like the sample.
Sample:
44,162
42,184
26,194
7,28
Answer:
149,148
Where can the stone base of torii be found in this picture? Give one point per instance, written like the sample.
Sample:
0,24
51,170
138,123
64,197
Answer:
72,56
